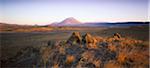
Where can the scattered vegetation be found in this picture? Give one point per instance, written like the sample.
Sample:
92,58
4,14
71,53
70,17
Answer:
85,50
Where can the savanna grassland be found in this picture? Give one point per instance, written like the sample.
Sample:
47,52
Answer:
66,47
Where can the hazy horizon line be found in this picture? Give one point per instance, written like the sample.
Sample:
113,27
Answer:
80,22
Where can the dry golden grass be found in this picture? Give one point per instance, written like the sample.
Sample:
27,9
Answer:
128,41
112,47
114,52
111,64
99,39
69,59
79,66
45,54
97,63
56,66
139,57
33,29
91,46
121,58
62,50
87,56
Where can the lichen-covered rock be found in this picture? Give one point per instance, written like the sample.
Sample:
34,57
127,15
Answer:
117,35
87,38
75,38
89,41
115,38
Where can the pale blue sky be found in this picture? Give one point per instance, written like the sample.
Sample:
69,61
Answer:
49,11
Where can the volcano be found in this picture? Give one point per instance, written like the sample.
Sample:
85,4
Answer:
68,22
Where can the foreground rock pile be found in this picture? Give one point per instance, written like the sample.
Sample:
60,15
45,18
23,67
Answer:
90,41
85,51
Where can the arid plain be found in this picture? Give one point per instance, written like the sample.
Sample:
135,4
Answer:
64,46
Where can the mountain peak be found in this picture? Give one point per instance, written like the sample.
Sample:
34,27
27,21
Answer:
70,21
70,18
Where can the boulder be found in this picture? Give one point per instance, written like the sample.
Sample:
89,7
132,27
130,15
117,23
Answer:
90,41
117,35
75,38
87,38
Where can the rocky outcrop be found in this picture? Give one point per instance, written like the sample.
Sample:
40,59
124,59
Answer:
75,38
98,52
87,38
117,35
89,41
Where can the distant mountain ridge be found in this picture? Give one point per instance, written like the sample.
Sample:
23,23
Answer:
73,22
